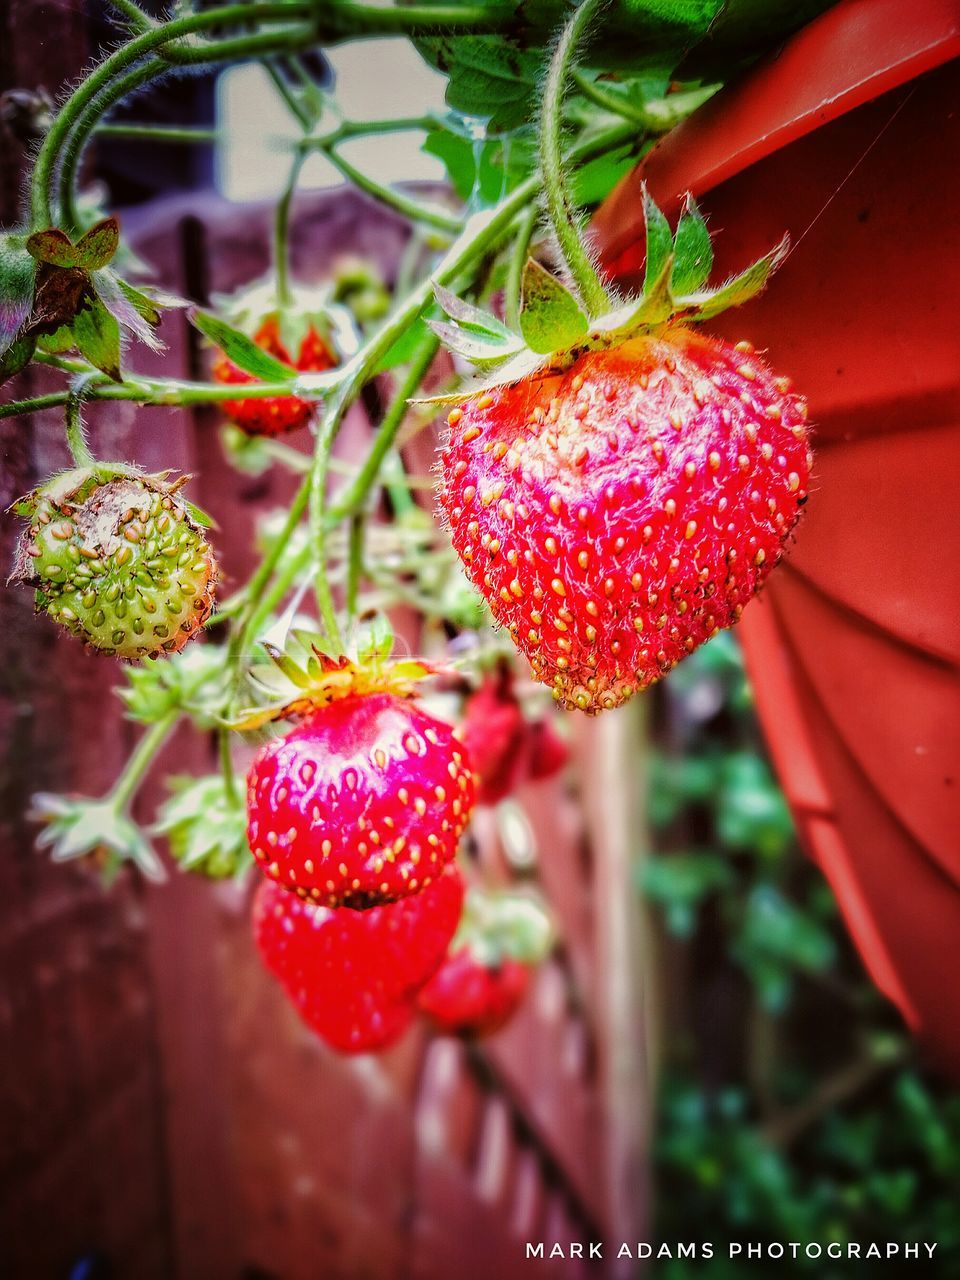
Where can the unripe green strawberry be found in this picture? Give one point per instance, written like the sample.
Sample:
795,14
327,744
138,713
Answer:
118,559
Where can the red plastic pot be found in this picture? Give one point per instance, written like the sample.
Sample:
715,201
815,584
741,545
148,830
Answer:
850,138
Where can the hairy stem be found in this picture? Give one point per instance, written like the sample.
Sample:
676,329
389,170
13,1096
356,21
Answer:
76,440
560,207
149,745
518,260
281,234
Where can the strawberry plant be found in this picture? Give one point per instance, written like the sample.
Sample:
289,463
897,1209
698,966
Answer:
617,483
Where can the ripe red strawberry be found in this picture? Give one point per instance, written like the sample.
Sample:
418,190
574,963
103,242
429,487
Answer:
468,997
506,749
353,975
278,414
363,803
619,512
494,732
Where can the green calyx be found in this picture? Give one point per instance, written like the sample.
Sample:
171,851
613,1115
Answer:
499,926
206,827
118,558
309,673
555,328
79,827
242,318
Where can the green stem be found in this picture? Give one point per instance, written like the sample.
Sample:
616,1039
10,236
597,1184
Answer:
350,499
329,24
355,543
226,766
319,525
518,260
281,232
393,199
609,101
35,404
149,745
76,442
244,629
366,128
560,207
286,95
158,133
137,20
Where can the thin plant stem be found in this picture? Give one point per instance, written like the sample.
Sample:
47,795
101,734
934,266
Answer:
186,134
355,545
76,441
393,199
226,766
281,233
560,207
149,746
518,260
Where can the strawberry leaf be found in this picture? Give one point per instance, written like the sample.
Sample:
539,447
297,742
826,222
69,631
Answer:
693,254
243,351
17,274
659,240
109,289
52,246
739,289
16,356
467,316
97,335
97,247
550,318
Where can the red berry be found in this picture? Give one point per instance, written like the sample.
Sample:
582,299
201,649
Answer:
363,803
468,997
547,753
278,414
617,514
353,975
494,733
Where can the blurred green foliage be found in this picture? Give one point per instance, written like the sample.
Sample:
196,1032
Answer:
792,1104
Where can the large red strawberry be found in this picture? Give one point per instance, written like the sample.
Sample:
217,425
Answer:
275,415
485,976
619,500
363,802
353,975
468,997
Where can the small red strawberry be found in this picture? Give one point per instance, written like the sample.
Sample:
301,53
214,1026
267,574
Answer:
362,803
353,975
468,997
619,500
278,414
494,732
480,985
506,749
298,333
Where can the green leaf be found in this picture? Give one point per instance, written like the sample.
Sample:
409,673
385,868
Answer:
376,642
16,357
659,241
97,247
467,316
111,292
243,351
489,78
654,306
97,335
551,319
17,274
52,246
481,350
680,882
739,289
693,253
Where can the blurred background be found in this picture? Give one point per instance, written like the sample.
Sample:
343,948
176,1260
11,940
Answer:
705,1056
